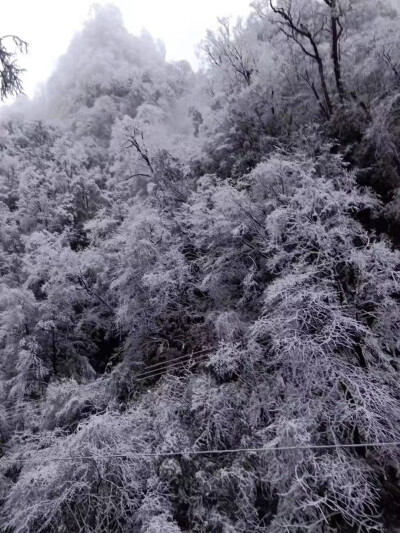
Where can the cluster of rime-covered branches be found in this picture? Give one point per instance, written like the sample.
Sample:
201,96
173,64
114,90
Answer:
205,261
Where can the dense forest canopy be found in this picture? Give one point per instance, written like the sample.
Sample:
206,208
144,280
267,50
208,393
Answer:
205,261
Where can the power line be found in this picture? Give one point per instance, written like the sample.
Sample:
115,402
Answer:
165,366
151,371
212,452
22,409
176,366
23,405
188,355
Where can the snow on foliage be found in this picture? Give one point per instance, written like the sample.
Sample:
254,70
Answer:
195,262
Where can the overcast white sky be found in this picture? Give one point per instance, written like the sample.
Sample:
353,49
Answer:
49,25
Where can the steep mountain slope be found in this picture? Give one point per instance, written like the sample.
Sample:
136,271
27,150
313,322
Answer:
200,280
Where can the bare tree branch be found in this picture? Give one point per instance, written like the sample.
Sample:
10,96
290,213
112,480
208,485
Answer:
298,32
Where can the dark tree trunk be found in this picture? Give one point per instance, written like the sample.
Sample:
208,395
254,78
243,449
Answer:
336,31
324,86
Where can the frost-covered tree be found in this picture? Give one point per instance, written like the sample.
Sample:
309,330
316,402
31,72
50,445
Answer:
200,279
10,72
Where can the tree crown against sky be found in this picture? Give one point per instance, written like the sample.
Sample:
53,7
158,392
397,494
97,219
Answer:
10,72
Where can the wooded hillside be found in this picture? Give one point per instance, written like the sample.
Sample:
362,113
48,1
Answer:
196,263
